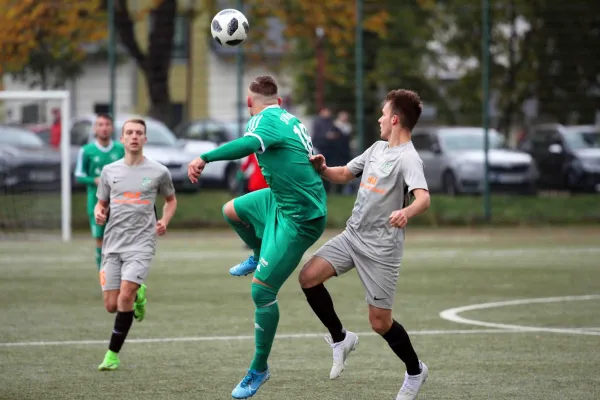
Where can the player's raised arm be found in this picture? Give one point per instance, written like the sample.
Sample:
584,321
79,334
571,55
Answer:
81,169
233,150
343,174
168,191
338,175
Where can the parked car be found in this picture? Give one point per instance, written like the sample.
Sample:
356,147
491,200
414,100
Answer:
204,135
162,145
43,132
454,157
568,157
26,163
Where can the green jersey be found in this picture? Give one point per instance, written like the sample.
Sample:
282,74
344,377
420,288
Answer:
92,158
285,149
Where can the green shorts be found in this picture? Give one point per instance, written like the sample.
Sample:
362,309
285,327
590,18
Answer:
97,230
284,241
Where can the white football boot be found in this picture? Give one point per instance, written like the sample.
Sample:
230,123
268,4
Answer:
341,350
412,384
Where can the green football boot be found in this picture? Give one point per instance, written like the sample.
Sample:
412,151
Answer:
110,363
139,307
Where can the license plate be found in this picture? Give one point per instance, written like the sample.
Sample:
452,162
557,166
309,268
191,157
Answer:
509,178
42,176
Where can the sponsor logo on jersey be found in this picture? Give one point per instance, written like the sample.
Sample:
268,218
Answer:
131,198
387,167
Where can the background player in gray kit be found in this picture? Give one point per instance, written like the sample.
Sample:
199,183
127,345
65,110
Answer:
126,203
373,239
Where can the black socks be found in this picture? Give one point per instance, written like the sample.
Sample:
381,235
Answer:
398,339
123,322
321,303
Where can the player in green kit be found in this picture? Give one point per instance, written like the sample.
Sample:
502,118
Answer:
278,223
92,158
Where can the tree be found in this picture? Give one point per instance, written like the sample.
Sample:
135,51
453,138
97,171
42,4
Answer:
42,41
395,45
540,49
567,62
155,62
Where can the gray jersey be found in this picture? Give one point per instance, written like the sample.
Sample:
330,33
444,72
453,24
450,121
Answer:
388,174
131,192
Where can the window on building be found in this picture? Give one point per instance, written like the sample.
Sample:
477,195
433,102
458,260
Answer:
177,110
30,114
101,108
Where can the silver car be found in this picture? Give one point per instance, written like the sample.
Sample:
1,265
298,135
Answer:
454,157
162,146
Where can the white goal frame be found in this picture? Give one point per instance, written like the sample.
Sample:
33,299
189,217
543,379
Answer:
65,146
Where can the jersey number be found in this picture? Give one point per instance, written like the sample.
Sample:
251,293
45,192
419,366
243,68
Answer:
301,132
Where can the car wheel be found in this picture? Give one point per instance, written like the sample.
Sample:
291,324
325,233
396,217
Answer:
570,182
449,184
531,189
230,179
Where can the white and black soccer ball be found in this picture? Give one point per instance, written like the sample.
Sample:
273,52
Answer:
229,27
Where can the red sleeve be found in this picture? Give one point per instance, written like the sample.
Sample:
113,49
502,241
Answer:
55,135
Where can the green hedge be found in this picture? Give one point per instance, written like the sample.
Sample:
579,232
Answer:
203,209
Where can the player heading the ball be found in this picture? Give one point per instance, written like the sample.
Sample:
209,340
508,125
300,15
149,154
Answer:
278,223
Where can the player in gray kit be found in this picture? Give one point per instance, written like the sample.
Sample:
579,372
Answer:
373,239
126,204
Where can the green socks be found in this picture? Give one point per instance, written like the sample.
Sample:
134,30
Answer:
266,319
247,234
98,257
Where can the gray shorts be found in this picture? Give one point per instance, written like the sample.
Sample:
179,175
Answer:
379,280
130,266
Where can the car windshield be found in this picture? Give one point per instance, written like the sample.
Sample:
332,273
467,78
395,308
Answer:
158,134
469,139
583,139
20,137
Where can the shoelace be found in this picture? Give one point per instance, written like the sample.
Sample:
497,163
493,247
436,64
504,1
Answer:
247,379
338,349
409,385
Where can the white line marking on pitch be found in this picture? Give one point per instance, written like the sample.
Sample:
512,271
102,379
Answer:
452,315
231,338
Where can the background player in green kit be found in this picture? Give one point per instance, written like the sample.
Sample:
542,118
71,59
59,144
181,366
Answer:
279,223
92,158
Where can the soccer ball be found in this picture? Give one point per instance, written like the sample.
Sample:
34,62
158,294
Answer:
229,27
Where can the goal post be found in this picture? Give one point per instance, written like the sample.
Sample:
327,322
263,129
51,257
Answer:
65,146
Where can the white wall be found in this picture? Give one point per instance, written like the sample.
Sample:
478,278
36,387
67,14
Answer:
93,87
89,89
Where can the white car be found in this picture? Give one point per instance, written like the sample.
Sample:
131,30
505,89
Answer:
204,135
453,160
162,146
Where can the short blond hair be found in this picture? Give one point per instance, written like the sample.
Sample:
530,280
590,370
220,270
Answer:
135,121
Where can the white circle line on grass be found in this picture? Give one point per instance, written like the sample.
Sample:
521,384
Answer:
452,315
247,337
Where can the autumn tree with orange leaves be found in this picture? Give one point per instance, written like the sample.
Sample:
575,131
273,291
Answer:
42,41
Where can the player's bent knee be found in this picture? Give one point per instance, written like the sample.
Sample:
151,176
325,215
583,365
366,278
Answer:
380,320
317,270
229,211
263,296
110,304
128,292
